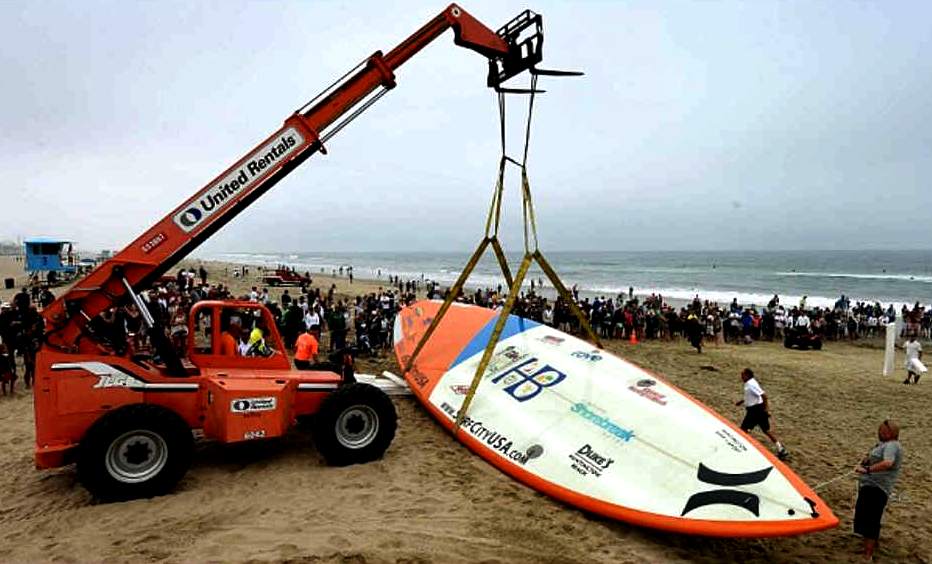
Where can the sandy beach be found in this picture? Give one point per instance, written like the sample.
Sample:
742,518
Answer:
431,500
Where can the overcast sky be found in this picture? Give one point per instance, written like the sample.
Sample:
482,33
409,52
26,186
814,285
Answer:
698,125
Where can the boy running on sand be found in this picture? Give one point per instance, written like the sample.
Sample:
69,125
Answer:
914,366
757,410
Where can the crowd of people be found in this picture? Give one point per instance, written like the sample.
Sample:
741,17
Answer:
21,331
703,321
365,322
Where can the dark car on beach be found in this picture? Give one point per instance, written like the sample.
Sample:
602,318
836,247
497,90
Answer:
802,338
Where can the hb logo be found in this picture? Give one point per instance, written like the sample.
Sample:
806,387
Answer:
525,380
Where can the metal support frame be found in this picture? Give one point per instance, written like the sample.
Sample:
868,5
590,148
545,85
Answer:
531,254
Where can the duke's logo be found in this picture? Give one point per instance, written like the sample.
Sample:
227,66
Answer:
588,462
525,380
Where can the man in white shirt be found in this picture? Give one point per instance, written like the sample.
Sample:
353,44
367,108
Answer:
802,321
757,410
914,366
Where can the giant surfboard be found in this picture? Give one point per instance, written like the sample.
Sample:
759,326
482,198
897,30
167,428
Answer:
599,433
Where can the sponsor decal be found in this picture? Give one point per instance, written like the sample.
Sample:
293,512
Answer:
419,377
526,380
495,440
552,340
250,405
113,377
586,412
646,383
505,358
239,180
649,393
118,380
154,242
733,442
594,356
588,462
258,434
739,498
459,389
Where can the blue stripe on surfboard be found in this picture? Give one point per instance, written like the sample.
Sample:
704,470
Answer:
513,326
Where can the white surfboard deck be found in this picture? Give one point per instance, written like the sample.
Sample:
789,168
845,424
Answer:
571,420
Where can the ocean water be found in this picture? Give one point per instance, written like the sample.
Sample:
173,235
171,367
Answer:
752,277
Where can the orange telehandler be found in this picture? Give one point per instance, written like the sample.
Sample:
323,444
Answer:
127,420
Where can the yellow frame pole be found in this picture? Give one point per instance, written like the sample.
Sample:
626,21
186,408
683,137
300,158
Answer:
502,261
564,293
454,292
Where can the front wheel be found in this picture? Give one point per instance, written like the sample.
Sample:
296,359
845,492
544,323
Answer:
135,452
355,424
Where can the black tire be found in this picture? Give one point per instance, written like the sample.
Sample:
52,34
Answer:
817,345
355,425
105,456
788,343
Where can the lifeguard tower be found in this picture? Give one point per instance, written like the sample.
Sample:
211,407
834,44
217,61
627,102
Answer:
55,257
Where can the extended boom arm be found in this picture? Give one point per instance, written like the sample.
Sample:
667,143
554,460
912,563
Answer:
303,134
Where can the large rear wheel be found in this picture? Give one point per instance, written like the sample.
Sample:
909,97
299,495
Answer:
135,452
355,424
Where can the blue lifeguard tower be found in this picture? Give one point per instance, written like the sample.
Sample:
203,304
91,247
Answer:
46,254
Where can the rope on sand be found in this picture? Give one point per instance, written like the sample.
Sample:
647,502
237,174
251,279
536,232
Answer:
894,497
833,480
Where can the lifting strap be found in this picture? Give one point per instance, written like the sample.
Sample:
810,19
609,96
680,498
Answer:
531,254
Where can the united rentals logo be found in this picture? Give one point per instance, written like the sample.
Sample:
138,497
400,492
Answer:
239,180
249,405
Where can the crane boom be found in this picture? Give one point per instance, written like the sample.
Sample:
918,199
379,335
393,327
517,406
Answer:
177,234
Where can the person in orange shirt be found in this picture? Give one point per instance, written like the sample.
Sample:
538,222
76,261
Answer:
229,338
306,349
